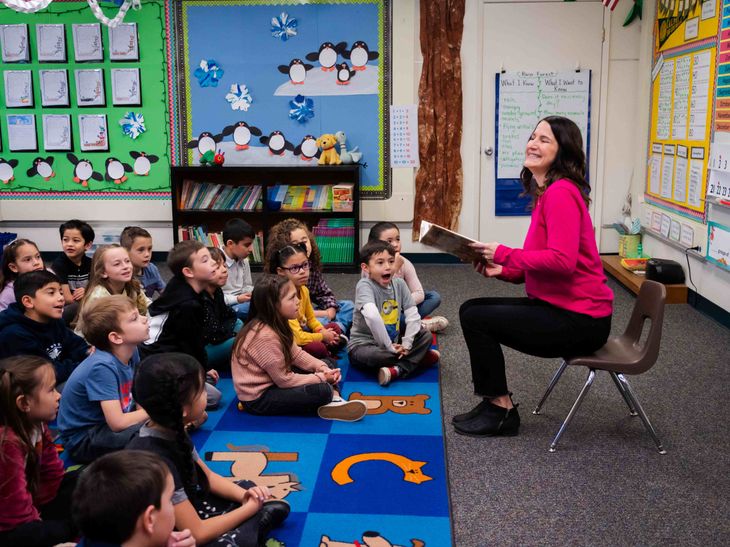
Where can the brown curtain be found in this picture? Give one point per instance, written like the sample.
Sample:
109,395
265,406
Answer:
440,176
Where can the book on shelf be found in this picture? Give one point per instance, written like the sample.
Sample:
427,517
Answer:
336,240
215,239
342,197
219,197
315,197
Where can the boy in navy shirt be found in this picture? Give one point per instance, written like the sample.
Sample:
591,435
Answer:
73,267
97,413
138,243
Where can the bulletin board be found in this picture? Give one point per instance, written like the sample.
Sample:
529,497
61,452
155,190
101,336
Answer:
113,165
522,100
683,91
682,22
258,80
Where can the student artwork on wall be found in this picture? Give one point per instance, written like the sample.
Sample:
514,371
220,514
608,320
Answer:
680,23
51,43
305,69
74,83
15,45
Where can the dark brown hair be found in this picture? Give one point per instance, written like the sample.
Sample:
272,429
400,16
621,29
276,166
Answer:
569,163
374,247
10,255
280,236
264,311
21,375
277,255
181,256
218,256
130,233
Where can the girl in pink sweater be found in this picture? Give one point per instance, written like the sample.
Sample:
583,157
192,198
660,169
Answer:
35,496
568,306
274,376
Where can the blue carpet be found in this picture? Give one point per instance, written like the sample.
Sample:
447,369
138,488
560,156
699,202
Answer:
383,475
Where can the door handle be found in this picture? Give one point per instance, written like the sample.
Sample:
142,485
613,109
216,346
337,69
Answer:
489,151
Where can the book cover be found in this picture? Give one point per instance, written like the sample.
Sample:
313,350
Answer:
448,241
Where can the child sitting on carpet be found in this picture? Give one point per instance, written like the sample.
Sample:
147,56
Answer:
326,307
386,332
170,387
35,494
426,302
19,257
271,374
138,243
319,341
220,324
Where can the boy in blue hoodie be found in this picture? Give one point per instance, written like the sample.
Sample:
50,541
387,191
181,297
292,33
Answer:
33,325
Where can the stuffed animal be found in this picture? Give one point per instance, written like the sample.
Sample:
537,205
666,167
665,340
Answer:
329,155
347,156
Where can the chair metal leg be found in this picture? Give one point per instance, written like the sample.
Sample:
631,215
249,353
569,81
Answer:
578,401
644,418
632,411
549,389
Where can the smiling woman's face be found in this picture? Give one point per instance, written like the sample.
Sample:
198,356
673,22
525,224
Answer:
541,150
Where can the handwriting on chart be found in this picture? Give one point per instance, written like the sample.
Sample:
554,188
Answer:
527,97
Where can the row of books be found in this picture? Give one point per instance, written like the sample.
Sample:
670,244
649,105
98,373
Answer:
215,239
302,198
219,197
336,240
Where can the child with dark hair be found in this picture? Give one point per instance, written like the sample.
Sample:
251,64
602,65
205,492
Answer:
125,498
319,340
73,267
220,324
271,374
238,236
386,332
33,325
20,256
427,301
138,243
326,306
35,494
170,387
97,413
177,316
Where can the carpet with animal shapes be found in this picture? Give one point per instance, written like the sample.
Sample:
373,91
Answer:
379,482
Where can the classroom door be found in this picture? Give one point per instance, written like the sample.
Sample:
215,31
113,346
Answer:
534,36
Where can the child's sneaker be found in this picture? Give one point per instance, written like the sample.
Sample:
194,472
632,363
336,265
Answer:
387,374
343,411
430,359
437,323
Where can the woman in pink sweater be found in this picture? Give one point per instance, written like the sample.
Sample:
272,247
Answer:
568,306
274,376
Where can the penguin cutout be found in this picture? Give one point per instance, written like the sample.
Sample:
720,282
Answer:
142,162
115,170
359,55
307,149
206,142
7,172
42,167
241,132
297,71
344,74
83,170
277,143
327,55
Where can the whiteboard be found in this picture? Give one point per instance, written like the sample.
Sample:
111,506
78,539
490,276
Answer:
524,98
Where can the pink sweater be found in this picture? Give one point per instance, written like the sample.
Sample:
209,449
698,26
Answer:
260,365
559,262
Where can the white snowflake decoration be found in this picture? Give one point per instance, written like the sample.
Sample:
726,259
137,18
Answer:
239,97
283,27
132,124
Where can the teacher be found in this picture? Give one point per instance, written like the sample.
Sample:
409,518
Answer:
568,306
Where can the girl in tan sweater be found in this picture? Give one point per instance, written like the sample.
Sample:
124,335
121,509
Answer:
274,376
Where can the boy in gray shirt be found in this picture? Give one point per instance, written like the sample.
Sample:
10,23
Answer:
386,331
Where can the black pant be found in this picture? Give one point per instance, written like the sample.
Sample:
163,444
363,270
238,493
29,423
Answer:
246,534
56,525
277,401
528,325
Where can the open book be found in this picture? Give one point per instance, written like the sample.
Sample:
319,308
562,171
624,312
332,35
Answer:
448,241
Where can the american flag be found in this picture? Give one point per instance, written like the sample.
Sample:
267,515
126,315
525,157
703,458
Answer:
610,4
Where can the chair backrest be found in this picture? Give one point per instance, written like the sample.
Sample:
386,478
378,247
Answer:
649,305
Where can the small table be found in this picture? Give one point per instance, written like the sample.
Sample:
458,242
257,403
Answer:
676,294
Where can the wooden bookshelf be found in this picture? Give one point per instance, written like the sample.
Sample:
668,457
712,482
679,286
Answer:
262,218
676,294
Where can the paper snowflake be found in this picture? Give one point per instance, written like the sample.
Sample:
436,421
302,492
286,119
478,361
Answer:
283,27
208,73
132,125
302,109
239,97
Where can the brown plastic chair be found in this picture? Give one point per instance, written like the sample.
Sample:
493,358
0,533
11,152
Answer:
624,354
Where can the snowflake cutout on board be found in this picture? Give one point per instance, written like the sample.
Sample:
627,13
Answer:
132,125
208,73
239,97
283,27
302,109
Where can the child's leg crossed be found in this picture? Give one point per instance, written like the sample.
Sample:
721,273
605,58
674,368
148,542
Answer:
291,401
